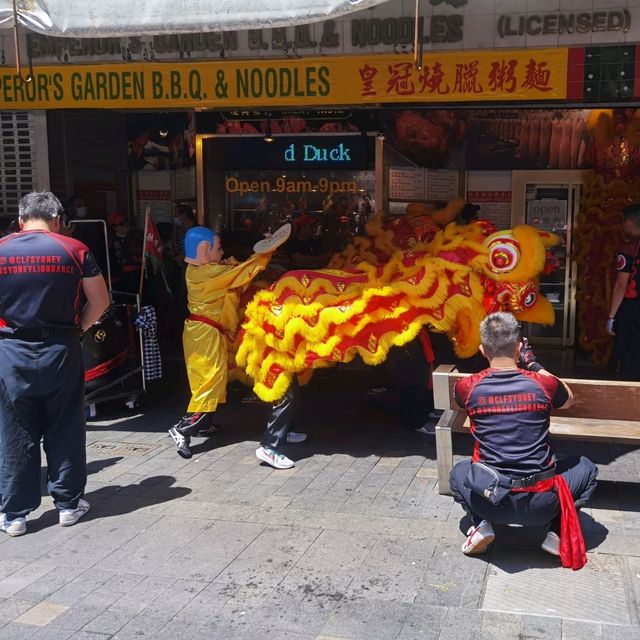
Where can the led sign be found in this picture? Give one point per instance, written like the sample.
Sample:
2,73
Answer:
288,152
311,153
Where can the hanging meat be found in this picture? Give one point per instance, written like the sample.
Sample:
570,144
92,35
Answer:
426,137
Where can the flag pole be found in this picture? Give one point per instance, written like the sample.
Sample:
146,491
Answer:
147,213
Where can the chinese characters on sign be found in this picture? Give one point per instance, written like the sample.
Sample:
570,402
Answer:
519,75
311,82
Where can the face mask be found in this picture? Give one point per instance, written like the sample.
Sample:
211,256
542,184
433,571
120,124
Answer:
81,212
177,221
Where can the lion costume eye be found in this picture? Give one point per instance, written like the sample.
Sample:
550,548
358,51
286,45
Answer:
504,254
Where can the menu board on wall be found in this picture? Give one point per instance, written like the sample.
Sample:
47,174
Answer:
441,184
186,183
492,191
406,183
414,183
154,191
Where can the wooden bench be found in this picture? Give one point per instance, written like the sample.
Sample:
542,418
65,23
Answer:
603,410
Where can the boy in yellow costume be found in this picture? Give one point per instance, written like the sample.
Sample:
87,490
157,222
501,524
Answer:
213,288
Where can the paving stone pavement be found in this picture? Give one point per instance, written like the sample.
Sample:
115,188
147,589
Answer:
354,543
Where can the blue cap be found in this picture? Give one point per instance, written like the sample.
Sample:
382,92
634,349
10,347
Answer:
194,237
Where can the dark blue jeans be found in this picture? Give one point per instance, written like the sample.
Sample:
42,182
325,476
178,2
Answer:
527,509
282,417
41,398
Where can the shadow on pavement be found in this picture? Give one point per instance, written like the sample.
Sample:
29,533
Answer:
115,500
509,540
95,466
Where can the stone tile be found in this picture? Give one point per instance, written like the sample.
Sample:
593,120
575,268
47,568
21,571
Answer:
620,632
500,626
172,601
281,610
539,628
23,577
141,626
42,614
179,629
74,618
579,630
112,534
330,562
108,622
269,557
423,622
87,635
149,550
78,589
453,579
361,619
7,567
206,604
141,595
208,553
393,570
11,608
45,633
461,623
51,582
16,631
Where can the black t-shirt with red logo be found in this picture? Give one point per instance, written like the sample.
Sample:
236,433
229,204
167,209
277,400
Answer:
509,413
41,280
628,261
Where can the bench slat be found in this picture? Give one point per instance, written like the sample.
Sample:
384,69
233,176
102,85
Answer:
603,410
622,431
594,399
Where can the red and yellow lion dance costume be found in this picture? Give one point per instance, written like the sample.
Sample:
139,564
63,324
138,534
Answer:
383,289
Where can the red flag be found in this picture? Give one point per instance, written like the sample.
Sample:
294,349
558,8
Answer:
153,244
153,248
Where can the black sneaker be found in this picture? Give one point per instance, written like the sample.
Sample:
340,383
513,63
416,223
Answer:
191,423
182,442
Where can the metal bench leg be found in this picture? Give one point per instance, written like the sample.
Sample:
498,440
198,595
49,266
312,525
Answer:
444,450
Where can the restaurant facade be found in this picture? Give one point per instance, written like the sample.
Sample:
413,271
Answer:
494,102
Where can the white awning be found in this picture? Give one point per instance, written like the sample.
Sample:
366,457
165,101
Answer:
114,18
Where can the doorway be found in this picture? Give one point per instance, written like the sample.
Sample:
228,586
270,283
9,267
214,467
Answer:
550,201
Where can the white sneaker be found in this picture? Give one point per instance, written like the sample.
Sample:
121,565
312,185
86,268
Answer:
551,544
273,458
478,538
15,527
294,437
69,517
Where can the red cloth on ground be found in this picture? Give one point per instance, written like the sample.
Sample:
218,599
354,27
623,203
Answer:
573,553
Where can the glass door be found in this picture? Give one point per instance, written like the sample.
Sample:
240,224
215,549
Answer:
549,201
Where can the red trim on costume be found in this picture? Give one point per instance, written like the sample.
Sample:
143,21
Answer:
429,355
209,321
573,553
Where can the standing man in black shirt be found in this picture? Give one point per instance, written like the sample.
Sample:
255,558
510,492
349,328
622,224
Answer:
43,276
624,311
